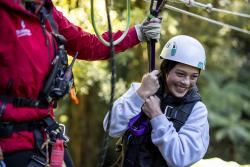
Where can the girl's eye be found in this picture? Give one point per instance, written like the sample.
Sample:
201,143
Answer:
180,74
193,77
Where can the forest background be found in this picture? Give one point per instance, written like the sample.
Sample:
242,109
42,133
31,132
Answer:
224,86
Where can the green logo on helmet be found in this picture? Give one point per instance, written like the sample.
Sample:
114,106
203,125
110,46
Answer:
173,50
201,65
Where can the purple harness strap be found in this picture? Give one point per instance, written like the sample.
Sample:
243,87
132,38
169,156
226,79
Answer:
142,128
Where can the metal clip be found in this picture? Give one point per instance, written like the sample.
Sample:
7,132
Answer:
54,61
64,136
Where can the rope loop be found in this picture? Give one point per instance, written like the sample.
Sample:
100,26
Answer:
98,34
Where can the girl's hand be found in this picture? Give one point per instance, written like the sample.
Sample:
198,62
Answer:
149,85
152,107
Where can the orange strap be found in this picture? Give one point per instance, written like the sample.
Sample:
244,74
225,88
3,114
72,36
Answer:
73,96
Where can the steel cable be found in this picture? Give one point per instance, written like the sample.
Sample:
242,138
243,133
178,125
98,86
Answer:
207,19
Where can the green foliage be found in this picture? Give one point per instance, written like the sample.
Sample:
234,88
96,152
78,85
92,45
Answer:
225,85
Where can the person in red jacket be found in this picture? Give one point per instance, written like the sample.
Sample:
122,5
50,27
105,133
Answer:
34,37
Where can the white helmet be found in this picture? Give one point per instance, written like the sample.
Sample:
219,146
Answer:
186,50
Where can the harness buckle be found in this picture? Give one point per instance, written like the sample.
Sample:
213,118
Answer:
168,111
39,159
36,103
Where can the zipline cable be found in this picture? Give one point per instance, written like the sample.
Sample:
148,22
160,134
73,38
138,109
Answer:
208,19
210,7
98,34
230,12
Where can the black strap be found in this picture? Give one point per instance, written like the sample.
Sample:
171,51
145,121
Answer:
8,128
52,128
37,161
47,14
179,115
24,102
67,158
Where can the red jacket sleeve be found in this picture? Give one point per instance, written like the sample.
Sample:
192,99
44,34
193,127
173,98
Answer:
88,45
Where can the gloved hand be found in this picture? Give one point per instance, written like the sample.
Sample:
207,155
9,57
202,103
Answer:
149,29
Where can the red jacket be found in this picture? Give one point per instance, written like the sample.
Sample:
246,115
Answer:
25,61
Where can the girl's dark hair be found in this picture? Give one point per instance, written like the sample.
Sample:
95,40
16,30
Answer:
166,67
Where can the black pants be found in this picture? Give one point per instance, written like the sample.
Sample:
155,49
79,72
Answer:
18,158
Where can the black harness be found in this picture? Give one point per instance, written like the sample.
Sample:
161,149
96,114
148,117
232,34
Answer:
53,129
24,102
60,79
57,85
139,151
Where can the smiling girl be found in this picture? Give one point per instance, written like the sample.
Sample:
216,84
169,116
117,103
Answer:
177,133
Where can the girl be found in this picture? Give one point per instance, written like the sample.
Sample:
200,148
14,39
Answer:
175,131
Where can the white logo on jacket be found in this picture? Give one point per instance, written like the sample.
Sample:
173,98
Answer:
23,31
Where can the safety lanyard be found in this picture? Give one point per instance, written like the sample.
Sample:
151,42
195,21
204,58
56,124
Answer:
139,124
155,8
